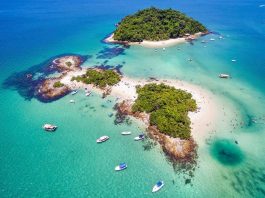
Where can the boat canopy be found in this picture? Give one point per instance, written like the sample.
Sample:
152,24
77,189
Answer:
159,183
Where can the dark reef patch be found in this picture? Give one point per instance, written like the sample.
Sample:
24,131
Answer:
26,82
226,152
106,67
111,52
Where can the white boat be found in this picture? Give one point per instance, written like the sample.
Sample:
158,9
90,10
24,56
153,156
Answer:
233,60
102,139
158,186
74,92
88,93
212,39
164,48
224,76
203,41
121,166
72,101
126,133
139,137
49,127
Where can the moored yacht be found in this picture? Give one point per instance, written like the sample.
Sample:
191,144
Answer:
139,137
158,186
102,139
74,92
126,133
49,127
121,166
224,76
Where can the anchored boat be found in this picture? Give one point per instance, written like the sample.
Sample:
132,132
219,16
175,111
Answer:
121,166
126,133
224,76
49,127
139,137
158,186
102,139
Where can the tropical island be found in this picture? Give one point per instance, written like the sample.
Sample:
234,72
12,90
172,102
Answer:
150,26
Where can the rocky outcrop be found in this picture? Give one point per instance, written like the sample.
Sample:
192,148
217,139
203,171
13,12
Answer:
177,149
68,63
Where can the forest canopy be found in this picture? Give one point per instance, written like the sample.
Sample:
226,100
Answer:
156,24
168,108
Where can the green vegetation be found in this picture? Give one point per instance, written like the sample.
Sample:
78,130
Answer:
100,78
155,24
168,108
58,84
68,63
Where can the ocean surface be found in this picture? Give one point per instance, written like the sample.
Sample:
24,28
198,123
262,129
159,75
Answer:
69,163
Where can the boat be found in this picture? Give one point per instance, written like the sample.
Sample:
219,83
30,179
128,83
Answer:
88,93
164,48
158,186
72,101
49,127
126,133
224,76
121,166
74,92
203,41
212,39
233,60
102,139
139,137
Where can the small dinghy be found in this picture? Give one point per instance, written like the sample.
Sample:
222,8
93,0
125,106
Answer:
121,166
49,127
158,186
74,92
126,133
102,139
72,101
139,137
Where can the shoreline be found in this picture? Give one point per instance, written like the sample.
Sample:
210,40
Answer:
202,121
156,44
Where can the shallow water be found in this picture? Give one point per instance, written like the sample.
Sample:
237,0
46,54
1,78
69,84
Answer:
69,163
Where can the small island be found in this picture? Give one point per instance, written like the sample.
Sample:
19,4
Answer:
154,27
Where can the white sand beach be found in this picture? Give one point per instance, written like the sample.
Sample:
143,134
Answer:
155,44
202,121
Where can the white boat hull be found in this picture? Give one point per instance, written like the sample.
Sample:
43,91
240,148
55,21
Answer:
126,133
157,188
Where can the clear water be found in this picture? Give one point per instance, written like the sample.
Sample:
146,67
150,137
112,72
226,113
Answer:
69,163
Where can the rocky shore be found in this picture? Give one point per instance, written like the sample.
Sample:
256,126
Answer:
177,149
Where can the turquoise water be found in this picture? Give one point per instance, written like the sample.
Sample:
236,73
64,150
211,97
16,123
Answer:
69,163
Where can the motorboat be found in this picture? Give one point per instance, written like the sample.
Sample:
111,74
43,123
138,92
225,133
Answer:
126,133
102,139
212,39
74,92
233,60
49,127
224,76
121,166
72,101
158,186
139,137
88,93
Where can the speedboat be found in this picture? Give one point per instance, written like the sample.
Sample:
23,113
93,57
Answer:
212,39
121,166
74,92
158,186
224,76
102,139
126,133
88,93
233,60
72,101
164,48
49,127
139,137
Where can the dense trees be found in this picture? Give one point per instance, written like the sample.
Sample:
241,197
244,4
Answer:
168,108
100,78
155,24
58,84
